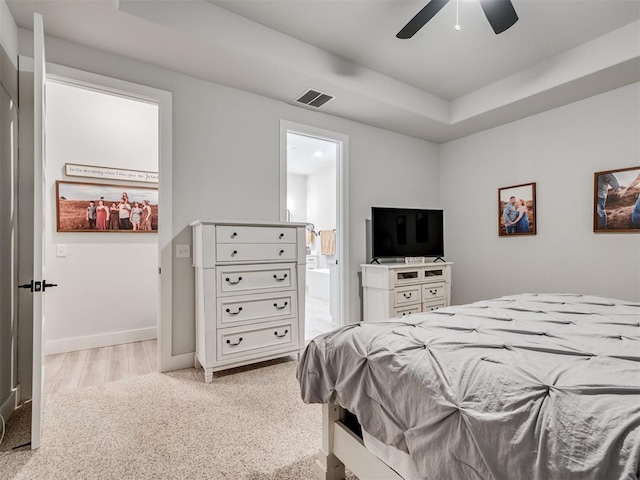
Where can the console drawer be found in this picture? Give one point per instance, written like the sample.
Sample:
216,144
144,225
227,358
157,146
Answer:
406,276
435,305
256,340
255,278
403,312
433,291
239,234
238,310
255,252
407,296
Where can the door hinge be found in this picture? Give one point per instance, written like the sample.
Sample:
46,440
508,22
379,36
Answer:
159,270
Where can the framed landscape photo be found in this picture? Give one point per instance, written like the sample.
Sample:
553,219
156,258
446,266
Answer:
99,207
517,210
616,201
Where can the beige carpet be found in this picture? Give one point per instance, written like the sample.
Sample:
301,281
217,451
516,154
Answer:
247,425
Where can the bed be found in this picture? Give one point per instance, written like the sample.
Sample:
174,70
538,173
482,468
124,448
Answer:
521,387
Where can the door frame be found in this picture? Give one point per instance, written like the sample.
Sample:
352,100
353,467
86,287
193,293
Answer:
79,78
342,190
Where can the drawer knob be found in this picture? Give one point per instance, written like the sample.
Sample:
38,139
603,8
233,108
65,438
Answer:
281,236
281,252
404,314
282,307
234,344
281,336
433,292
228,280
234,235
233,314
280,279
407,296
234,253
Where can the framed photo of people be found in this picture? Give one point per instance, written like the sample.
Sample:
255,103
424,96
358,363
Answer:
100,207
616,201
517,210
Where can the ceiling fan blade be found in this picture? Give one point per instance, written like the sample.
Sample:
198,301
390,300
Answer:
500,13
421,18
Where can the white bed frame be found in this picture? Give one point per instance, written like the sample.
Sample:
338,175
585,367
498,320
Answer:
341,447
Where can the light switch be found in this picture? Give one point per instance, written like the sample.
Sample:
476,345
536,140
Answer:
183,251
61,250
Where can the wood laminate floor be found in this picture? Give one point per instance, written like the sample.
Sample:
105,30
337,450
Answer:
73,370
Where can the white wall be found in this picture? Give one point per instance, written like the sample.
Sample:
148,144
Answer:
108,281
559,150
226,162
226,166
8,33
297,197
321,208
321,199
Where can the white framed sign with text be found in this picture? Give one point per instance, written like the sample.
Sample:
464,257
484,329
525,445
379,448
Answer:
75,170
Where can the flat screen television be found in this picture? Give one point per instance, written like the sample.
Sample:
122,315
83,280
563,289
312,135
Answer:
406,232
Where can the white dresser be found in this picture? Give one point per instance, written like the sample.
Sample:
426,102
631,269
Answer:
400,289
250,284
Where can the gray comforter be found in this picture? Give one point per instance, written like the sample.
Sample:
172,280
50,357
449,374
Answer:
522,387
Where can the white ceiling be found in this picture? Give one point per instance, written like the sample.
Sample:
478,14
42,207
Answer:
438,59
308,155
437,86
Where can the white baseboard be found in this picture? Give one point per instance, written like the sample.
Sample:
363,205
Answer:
178,362
102,340
9,405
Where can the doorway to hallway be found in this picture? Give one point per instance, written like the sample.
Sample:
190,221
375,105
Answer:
100,233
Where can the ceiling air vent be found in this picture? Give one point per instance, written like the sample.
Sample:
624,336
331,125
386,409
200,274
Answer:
314,99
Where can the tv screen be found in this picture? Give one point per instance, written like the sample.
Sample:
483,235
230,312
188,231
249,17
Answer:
406,232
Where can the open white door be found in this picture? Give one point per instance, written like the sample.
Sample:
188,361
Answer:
38,284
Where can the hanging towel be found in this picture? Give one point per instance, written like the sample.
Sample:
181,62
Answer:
327,242
310,237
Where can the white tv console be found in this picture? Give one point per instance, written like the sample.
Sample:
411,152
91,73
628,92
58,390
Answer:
400,289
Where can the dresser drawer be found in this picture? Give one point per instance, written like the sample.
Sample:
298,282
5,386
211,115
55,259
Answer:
255,252
405,311
255,278
237,234
433,291
256,340
239,310
407,295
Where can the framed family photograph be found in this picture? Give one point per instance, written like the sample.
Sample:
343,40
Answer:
616,201
99,207
517,210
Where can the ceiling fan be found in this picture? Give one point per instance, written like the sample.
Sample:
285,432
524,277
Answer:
500,13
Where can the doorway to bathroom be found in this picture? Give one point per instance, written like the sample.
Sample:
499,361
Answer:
314,164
